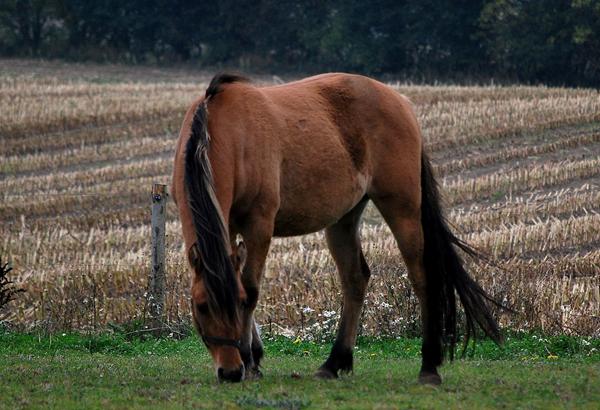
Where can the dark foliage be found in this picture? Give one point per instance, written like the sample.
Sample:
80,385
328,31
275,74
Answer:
7,290
550,41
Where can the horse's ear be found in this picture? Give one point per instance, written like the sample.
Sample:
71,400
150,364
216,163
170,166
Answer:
241,254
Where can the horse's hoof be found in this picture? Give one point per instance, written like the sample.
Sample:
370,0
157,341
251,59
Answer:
325,374
431,379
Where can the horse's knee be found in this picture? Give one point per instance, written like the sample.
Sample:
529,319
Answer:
257,351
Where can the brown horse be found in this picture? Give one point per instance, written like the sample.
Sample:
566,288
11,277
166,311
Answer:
294,159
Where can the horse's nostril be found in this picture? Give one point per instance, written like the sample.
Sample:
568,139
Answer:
230,375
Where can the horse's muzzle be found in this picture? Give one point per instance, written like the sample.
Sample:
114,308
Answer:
233,376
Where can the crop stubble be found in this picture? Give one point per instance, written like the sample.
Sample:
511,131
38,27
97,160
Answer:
519,168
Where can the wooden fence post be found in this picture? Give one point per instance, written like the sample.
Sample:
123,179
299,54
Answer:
156,288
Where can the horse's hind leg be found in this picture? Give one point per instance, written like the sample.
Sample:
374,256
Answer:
403,216
344,245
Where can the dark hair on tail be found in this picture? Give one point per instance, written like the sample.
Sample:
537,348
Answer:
209,256
446,274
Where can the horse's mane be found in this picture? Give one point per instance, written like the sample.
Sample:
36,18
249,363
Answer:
209,256
217,82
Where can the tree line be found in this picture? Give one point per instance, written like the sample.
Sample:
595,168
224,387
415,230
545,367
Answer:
530,41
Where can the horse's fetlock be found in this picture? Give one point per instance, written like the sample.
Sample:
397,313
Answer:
257,353
247,356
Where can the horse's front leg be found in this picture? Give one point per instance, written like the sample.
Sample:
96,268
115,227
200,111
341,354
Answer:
252,347
256,351
257,237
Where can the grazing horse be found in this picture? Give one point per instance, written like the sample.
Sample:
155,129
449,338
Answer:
293,159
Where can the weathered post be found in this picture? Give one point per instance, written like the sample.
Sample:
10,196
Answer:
156,285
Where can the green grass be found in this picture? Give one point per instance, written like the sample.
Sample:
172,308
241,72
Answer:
111,371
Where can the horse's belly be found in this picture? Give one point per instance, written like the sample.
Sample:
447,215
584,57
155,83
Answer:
318,201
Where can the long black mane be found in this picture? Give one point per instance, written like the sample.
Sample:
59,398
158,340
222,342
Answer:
210,254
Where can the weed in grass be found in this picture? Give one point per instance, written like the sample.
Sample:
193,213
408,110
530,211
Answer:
8,291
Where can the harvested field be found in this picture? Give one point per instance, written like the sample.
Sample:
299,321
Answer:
81,146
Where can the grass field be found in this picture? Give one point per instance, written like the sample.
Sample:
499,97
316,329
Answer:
111,371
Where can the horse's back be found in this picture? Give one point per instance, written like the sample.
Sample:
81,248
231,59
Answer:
365,117
314,148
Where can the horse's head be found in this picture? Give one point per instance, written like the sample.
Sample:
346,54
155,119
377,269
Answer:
220,332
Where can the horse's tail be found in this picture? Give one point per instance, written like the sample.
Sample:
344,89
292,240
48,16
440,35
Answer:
445,274
210,254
